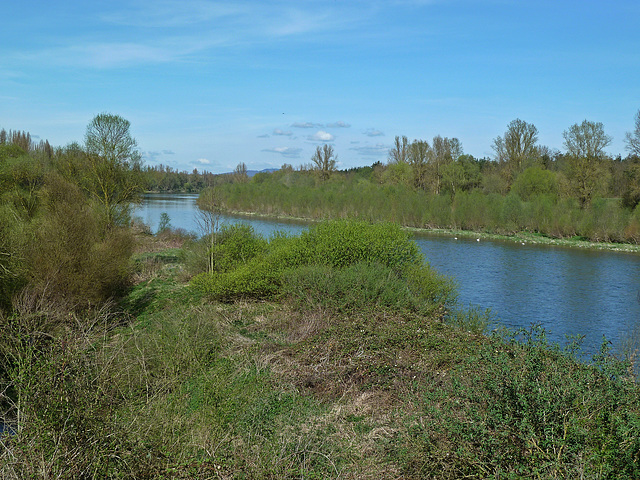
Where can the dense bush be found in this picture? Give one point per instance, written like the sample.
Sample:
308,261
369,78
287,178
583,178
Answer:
535,181
521,408
69,259
341,243
338,265
235,245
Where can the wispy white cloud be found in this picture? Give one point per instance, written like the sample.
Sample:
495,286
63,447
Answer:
278,131
321,136
174,30
305,125
264,135
289,152
373,132
202,161
338,124
150,156
109,55
153,155
298,21
377,150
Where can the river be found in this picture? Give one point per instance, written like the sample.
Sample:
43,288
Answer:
567,291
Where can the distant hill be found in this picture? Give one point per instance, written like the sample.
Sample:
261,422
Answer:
251,173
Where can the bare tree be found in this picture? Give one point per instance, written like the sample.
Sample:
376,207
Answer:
444,151
517,147
240,173
586,140
420,154
632,139
400,151
208,219
324,161
112,162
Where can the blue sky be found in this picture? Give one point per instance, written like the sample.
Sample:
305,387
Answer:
209,84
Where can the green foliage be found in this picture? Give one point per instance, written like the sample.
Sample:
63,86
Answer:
357,288
474,319
68,258
255,279
540,201
433,292
531,411
341,243
535,181
20,180
235,245
165,222
193,389
10,150
249,267
11,263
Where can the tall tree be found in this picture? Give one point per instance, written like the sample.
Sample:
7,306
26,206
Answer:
324,160
400,151
517,147
112,162
240,173
585,144
420,154
108,137
444,151
632,139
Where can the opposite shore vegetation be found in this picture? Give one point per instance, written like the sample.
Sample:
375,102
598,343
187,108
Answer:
336,354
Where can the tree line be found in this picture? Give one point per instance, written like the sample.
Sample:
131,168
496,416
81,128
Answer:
580,191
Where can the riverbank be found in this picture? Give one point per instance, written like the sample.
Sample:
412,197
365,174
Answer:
190,387
520,237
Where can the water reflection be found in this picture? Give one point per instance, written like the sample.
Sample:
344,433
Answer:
567,291
182,211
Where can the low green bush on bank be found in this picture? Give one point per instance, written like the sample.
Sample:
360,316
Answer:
339,265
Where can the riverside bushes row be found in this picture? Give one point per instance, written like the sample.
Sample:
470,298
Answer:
297,194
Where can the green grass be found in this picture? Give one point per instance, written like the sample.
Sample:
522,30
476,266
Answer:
187,387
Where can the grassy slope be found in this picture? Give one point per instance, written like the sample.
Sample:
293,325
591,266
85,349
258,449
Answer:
190,388
257,390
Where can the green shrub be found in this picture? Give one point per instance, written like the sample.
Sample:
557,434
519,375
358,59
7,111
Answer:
236,245
521,408
255,279
68,258
535,181
357,288
431,289
341,243
341,266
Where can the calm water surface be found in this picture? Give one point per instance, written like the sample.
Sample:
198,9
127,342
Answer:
567,291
